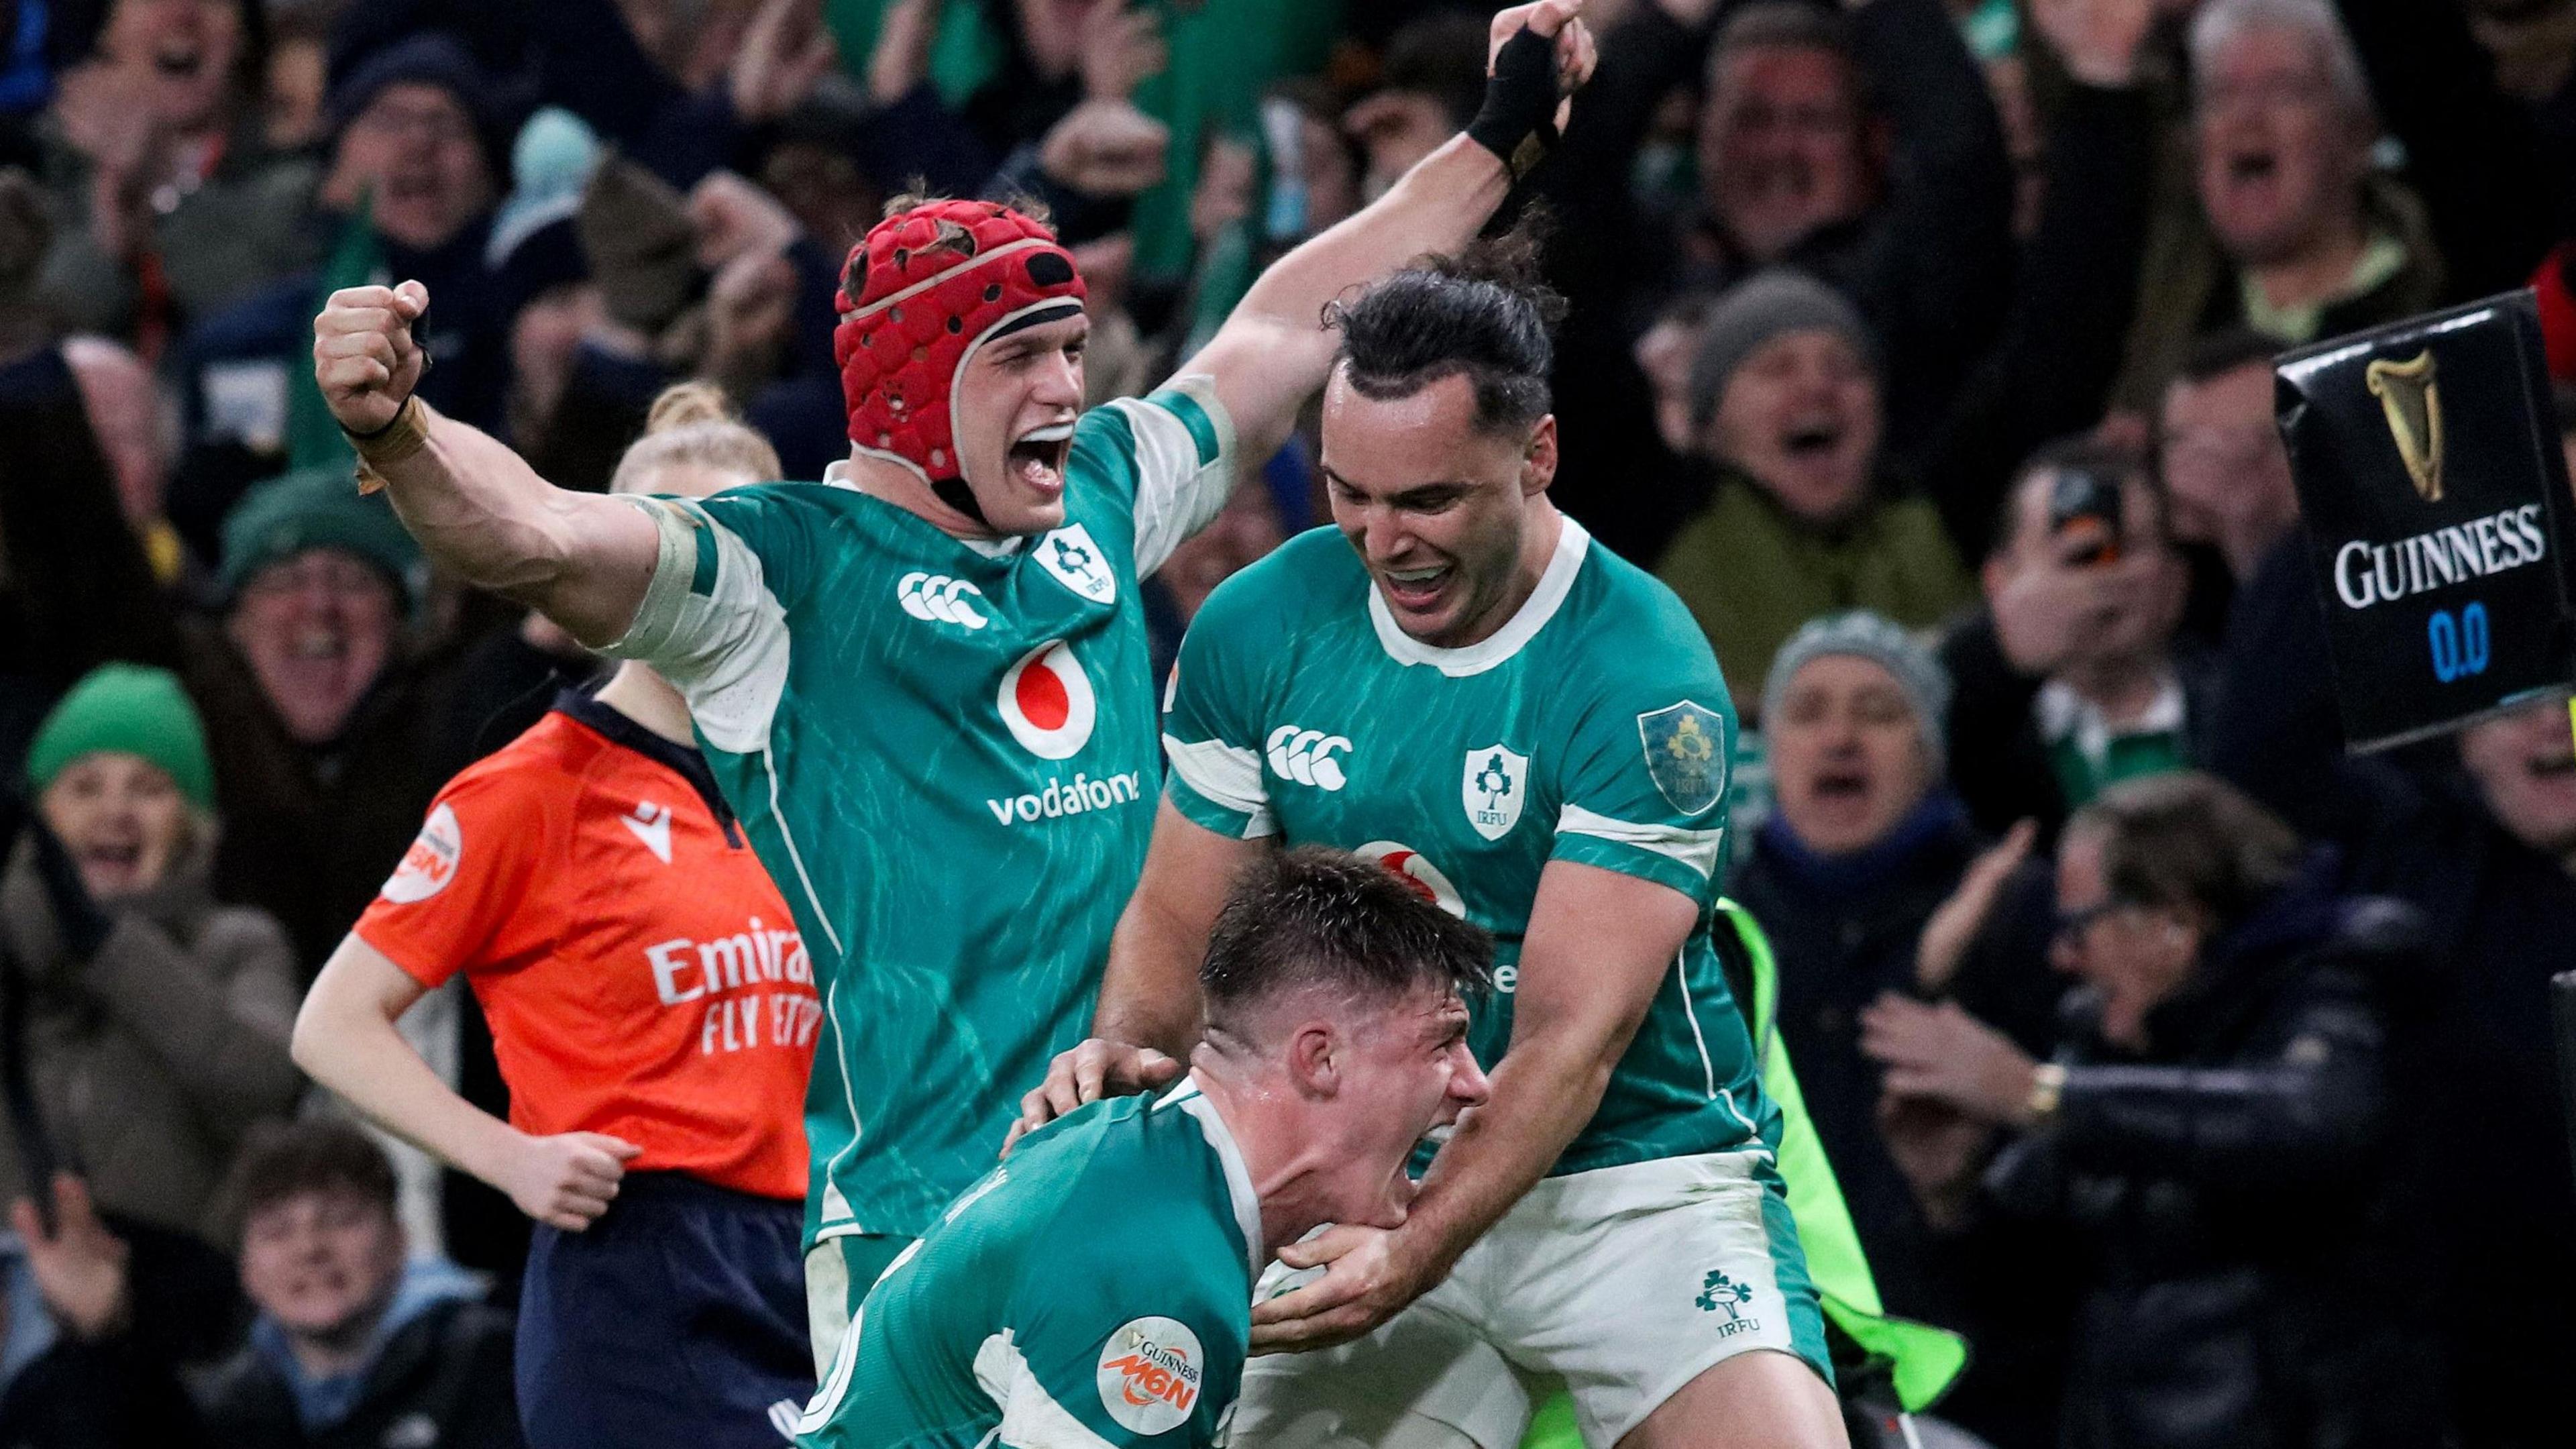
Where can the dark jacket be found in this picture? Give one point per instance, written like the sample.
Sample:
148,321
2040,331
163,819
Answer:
440,1381
1930,266
123,1391
1844,931
1998,762
310,831
2248,1285
2484,1141
75,588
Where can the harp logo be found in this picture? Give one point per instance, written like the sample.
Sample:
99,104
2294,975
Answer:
2412,401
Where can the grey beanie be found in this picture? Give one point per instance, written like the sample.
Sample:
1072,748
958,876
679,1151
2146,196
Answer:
1754,311
1883,642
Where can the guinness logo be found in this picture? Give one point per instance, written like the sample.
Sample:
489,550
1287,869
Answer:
2408,394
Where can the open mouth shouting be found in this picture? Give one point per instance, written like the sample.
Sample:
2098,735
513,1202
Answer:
1038,457
1416,591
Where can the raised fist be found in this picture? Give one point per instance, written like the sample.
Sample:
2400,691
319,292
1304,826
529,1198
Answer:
364,356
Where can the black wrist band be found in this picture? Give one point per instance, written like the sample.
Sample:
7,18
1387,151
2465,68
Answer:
1518,119
374,433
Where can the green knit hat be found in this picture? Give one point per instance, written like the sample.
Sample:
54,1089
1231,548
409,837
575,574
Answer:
317,508
133,709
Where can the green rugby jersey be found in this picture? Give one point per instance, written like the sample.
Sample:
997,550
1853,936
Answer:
944,753
1592,727
1094,1290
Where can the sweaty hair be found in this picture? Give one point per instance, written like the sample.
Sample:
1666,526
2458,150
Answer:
280,1160
2189,842
1317,917
692,424
1483,313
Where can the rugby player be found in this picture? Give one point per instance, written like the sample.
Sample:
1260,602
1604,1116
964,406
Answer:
654,1015
1096,1289
922,685
1457,681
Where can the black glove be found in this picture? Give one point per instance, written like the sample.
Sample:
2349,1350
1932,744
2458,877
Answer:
83,925
1518,120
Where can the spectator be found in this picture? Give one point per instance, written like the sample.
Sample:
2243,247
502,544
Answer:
2071,678
2481,851
136,429
322,716
352,1346
1785,396
172,204
2225,468
1865,841
656,1082
1429,85
2303,240
2215,1131
1864,150
417,159
75,1370
154,1021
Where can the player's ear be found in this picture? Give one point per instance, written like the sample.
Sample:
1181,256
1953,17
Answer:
1316,1059
1538,460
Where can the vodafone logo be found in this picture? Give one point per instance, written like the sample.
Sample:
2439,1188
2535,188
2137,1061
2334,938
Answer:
1151,1372
431,861
937,598
1422,875
1046,699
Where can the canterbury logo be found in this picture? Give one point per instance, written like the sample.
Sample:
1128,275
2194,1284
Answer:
939,599
1306,756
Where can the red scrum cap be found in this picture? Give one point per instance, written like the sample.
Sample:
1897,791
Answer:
922,291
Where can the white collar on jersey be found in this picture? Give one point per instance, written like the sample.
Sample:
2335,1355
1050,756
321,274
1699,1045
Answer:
1238,1177
1571,545
836,474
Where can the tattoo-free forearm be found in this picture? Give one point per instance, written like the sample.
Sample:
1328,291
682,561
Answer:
479,510
1543,1093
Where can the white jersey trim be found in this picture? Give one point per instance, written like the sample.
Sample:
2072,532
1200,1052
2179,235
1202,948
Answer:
726,649
1031,1418
1190,1097
1698,849
1228,776
1572,543
1176,494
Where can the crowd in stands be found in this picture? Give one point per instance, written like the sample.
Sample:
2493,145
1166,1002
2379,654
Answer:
2195,1068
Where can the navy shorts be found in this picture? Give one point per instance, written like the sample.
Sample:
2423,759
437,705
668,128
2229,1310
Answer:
677,1319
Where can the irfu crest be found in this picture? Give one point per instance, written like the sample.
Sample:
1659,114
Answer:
2408,394
1686,754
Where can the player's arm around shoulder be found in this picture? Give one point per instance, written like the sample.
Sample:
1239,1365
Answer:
477,508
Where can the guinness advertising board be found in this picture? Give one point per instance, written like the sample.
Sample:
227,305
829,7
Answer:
2436,499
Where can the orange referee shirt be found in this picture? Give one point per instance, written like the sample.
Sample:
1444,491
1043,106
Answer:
640,973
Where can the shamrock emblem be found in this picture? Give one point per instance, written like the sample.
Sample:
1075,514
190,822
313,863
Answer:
1721,1291
1493,780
